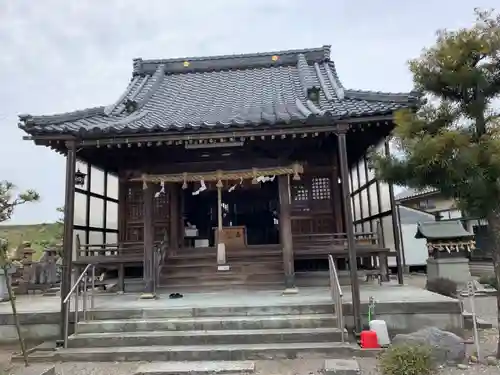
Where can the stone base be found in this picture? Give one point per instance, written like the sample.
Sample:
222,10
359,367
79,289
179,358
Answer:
223,267
147,296
456,269
290,291
4,293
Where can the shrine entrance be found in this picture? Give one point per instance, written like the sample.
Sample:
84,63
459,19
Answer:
249,213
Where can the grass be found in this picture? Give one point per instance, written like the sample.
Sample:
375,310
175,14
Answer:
37,234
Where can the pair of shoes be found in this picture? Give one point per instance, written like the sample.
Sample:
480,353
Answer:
175,295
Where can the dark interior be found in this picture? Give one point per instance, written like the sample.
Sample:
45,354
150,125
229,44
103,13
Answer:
256,208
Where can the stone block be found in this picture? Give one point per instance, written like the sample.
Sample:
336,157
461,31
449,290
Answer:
38,369
197,368
341,367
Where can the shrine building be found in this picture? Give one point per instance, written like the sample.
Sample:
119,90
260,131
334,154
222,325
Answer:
238,171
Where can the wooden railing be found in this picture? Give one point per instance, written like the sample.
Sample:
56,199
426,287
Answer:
119,255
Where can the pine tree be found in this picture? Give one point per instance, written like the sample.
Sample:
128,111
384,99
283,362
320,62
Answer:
452,143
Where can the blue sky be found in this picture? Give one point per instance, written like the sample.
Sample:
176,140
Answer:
60,55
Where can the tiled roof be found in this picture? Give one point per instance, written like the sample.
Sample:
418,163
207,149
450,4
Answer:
225,91
414,193
442,230
408,215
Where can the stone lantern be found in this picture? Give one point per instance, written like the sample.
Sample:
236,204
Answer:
449,246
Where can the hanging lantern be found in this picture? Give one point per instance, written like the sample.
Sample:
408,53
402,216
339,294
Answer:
80,178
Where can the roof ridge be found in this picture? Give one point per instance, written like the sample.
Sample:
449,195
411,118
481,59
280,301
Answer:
323,49
382,96
234,61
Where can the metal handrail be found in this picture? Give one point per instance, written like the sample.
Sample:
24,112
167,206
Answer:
82,279
336,294
75,285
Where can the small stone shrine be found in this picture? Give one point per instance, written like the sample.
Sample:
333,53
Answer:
449,245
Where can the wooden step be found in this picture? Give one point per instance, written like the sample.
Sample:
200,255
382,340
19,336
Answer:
240,267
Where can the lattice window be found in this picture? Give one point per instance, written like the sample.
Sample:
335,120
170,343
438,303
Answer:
161,207
135,203
320,188
300,192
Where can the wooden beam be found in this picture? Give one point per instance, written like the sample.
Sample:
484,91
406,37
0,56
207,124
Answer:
159,138
285,223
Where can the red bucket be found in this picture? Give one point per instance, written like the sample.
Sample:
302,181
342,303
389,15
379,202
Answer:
369,340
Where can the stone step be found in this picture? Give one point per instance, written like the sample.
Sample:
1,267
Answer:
229,352
321,279
215,337
216,286
209,323
232,274
197,368
219,312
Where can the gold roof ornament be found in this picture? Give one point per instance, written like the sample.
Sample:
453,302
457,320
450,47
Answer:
275,58
186,64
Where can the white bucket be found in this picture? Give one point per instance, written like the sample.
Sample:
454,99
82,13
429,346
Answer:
380,328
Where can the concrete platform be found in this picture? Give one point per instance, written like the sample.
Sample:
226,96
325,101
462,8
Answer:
405,308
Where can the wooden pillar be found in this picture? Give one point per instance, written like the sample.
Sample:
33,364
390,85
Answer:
395,225
149,292
221,247
174,218
349,228
336,196
286,232
69,214
122,210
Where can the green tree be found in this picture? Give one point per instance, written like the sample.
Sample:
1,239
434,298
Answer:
10,199
452,143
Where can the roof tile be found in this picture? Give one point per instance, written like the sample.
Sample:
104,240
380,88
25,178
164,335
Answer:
237,90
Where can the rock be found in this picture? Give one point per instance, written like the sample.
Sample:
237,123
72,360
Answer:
446,346
461,366
491,361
